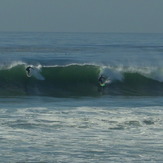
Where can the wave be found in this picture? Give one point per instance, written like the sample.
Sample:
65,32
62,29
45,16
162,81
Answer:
79,80
59,81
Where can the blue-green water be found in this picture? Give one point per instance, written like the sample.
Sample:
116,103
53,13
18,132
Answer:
60,114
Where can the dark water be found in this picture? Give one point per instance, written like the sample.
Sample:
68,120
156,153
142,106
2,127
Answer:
61,114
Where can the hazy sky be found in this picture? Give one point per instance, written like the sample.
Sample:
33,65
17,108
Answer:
82,15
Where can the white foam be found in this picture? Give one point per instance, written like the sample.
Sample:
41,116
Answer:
36,73
5,66
111,73
116,72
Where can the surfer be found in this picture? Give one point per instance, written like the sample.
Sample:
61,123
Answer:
102,80
28,70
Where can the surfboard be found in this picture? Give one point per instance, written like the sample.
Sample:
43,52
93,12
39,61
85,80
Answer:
102,84
28,74
106,82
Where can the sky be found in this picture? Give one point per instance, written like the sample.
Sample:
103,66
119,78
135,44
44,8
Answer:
120,16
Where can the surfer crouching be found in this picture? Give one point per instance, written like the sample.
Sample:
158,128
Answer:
28,70
101,80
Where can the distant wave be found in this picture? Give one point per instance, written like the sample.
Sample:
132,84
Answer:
79,80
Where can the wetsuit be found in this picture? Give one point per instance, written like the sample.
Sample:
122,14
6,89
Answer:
101,80
28,69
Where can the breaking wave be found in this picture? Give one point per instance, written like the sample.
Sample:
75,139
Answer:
79,80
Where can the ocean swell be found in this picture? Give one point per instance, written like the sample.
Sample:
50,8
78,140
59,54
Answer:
79,80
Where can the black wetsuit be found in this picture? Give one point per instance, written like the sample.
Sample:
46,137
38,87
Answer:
101,80
28,69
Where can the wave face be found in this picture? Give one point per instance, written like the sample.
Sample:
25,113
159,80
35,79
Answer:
70,80
79,80
137,85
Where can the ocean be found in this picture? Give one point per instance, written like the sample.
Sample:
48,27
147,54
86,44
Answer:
61,114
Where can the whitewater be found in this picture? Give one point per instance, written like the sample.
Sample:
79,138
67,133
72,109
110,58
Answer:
61,114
